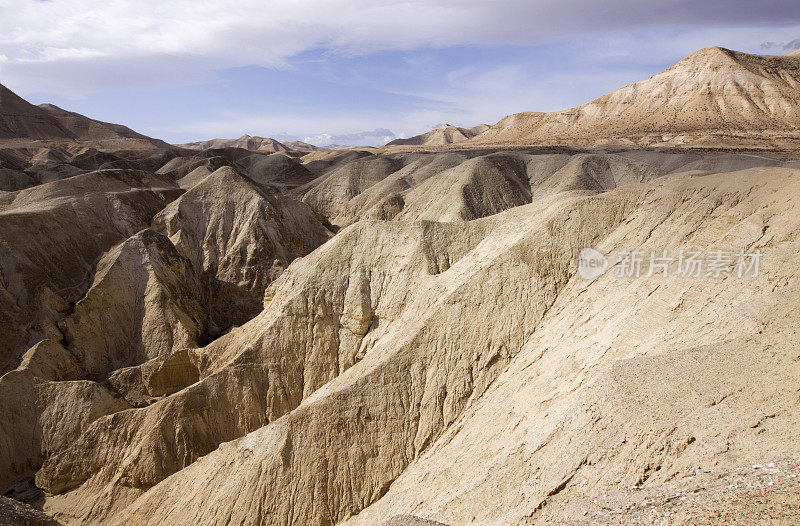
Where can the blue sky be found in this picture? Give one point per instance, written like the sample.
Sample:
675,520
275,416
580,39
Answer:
354,72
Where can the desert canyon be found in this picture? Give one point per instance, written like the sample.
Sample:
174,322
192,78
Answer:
250,332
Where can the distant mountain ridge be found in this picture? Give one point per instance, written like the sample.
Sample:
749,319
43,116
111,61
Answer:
21,120
714,97
253,143
442,135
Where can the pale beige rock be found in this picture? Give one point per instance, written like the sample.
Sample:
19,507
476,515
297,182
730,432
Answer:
453,187
40,417
676,408
145,301
239,236
476,188
330,193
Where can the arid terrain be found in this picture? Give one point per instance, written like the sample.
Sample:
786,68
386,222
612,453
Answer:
261,333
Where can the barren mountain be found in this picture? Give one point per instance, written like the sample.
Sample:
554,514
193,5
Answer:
255,144
408,337
22,122
444,134
85,128
715,97
20,119
239,236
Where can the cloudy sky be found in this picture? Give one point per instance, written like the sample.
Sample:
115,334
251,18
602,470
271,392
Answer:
355,71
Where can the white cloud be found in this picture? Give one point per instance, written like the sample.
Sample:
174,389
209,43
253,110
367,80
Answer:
323,139
54,54
127,36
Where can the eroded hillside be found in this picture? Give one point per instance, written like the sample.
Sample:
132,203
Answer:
229,337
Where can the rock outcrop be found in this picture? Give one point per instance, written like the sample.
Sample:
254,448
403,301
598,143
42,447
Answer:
239,236
376,374
145,301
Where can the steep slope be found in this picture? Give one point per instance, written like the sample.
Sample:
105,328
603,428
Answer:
52,235
362,185
126,319
468,185
330,193
46,405
194,346
587,173
239,236
475,188
634,384
263,369
384,200
278,170
441,136
21,121
145,301
715,97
